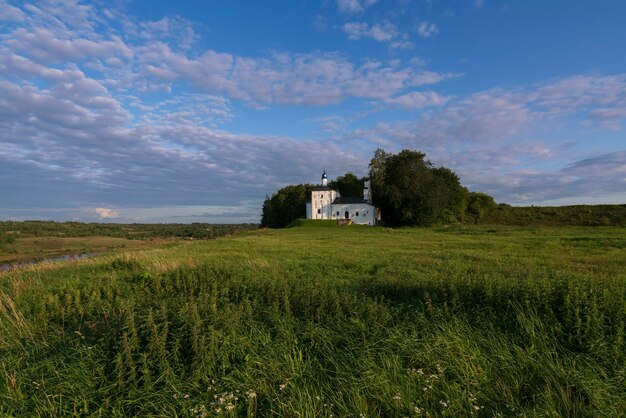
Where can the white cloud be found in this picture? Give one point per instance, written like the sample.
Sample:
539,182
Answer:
418,100
144,62
354,6
10,13
427,29
379,32
499,140
105,213
76,130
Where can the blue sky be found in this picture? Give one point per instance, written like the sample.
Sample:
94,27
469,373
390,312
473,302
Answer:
147,111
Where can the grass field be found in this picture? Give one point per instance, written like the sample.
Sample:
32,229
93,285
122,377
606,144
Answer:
42,247
318,320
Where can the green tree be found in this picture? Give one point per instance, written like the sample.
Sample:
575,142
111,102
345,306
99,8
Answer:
411,191
285,206
348,185
479,206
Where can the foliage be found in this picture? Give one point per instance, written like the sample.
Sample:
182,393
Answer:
6,239
411,191
130,231
576,215
285,206
504,322
479,206
348,185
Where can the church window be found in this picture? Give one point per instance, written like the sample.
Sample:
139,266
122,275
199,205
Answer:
319,211
357,214
322,196
337,213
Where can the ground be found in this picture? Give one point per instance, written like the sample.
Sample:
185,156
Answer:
320,320
42,247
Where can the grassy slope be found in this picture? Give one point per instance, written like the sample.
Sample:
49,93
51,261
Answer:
320,320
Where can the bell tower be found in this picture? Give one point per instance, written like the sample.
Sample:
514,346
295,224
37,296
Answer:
324,178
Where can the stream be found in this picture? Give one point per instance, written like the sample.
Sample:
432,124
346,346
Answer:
23,263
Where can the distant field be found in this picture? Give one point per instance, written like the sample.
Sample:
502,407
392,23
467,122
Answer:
41,247
319,320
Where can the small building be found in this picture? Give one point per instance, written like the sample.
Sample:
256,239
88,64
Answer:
327,203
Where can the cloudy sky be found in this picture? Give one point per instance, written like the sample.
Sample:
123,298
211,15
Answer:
164,111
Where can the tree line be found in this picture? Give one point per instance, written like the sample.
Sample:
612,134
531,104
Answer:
406,186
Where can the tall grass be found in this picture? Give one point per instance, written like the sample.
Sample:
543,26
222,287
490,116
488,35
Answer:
320,321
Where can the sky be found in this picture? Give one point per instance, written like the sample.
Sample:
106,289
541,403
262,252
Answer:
194,111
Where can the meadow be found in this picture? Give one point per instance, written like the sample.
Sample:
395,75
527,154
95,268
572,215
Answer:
30,241
318,320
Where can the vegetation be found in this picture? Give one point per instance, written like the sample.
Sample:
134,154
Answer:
348,185
411,191
285,206
37,248
36,240
129,231
457,321
578,215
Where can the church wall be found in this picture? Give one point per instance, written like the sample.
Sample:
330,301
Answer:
321,202
367,213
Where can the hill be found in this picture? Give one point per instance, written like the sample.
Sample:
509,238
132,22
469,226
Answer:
575,215
316,320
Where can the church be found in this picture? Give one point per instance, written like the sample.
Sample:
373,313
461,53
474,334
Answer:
327,203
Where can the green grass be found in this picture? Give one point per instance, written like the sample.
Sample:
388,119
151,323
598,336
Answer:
42,247
318,320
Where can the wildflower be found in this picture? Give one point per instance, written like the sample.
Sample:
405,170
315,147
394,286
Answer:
476,407
444,404
230,407
282,386
417,410
186,396
250,394
397,397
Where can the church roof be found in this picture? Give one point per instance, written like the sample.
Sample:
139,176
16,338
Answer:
342,200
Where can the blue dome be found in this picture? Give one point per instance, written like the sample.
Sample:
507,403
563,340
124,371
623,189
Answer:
324,176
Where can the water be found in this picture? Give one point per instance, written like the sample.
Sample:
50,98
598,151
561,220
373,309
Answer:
67,257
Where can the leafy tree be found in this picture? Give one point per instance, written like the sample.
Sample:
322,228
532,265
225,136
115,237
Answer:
348,185
285,206
411,191
448,198
479,206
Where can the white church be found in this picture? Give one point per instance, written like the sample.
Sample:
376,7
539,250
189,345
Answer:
327,203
